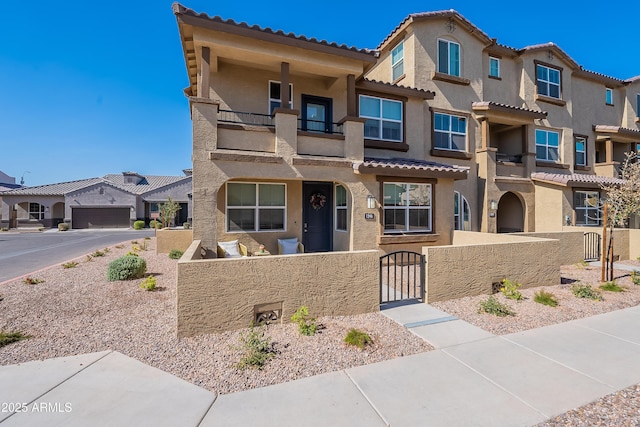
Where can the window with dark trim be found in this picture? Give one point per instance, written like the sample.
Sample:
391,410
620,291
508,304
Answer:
383,118
586,206
449,132
36,211
256,206
274,95
494,66
581,151
548,81
407,207
448,57
638,105
547,145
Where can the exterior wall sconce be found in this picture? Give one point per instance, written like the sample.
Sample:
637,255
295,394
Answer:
567,220
371,202
493,205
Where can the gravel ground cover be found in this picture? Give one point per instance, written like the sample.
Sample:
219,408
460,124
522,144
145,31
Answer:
76,310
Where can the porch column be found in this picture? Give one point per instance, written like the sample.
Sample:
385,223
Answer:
351,96
485,143
609,151
205,72
284,86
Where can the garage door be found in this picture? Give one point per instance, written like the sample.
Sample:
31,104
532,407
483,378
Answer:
100,218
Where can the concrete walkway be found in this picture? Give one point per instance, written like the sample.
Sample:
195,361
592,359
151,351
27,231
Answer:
472,378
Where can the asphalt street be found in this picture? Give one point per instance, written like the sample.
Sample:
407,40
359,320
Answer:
24,252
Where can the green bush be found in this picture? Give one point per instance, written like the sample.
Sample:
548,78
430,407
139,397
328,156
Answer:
175,254
257,349
495,307
510,289
358,338
586,291
155,224
307,326
635,277
126,267
7,338
612,287
138,225
70,264
545,298
149,284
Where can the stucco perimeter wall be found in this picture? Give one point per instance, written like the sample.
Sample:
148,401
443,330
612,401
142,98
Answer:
471,268
623,239
570,245
216,295
168,239
634,244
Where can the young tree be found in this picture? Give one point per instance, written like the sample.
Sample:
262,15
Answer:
168,211
621,201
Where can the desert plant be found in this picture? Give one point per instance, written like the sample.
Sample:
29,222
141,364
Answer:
186,225
89,258
97,254
155,224
495,307
119,246
70,264
635,277
32,280
612,287
175,253
257,349
138,225
134,242
131,253
126,267
168,211
306,325
63,226
149,284
510,290
545,298
106,250
358,338
7,338
4,229
586,291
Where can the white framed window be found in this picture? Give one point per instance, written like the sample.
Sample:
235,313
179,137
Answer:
461,212
274,95
586,206
341,208
407,207
448,57
548,81
449,132
547,145
36,211
384,118
494,66
609,96
256,206
397,61
581,151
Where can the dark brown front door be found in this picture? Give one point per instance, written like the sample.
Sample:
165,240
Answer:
317,209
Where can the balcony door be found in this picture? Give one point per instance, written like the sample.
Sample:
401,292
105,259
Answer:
316,114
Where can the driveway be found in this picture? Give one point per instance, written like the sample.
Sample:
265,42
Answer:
23,253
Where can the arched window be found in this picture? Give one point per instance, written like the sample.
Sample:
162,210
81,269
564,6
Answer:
461,220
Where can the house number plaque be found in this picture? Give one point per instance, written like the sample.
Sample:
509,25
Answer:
369,216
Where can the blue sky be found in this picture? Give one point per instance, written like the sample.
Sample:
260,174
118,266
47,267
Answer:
91,88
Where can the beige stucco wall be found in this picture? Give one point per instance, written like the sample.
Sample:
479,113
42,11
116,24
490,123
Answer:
219,295
471,269
623,239
570,245
169,239
634,244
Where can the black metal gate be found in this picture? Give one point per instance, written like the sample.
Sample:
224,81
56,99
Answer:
591,246
402,276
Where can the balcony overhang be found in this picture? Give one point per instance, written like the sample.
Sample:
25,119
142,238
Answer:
410,168
505,114
616,134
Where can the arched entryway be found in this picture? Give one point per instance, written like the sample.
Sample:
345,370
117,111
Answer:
510,214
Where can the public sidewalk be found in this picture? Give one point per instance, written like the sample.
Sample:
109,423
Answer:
472,378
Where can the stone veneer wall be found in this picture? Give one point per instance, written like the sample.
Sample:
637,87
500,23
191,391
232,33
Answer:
216,295
168,239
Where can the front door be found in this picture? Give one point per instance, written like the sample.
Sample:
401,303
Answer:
317,218
316,114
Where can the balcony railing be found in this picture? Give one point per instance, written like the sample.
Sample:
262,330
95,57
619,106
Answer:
513,158
320,126
255,119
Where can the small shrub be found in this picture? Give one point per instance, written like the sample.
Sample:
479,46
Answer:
257,349
155,224
7,338
32,280
126,267
510,290
495,307
358,338
635,277
4,229
97,254
545,298
612,287
63,226
119,246
89,258
134,242
175,254
70,264
106,250
143,245
149,284
186,225
138,225
306,325
586,291
130,253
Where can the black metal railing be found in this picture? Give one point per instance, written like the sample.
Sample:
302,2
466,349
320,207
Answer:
514,158
402,276
255,119
320,126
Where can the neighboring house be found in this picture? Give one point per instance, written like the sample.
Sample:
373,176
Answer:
438,128
111,201
6,183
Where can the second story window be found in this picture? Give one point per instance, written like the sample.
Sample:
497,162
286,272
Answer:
548,81
638,105
581,151
384,118
609,96
449,132
449,57
547,146
274,95
494,67
397,61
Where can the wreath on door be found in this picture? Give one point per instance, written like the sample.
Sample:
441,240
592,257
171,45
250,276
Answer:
318,200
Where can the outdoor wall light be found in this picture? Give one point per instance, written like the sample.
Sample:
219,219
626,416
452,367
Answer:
493,205
371,202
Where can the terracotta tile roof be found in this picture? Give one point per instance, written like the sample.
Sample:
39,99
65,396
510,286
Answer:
427,94
379,166
179,9
487,105
599,77
58,189
632,79
554,47
575,178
